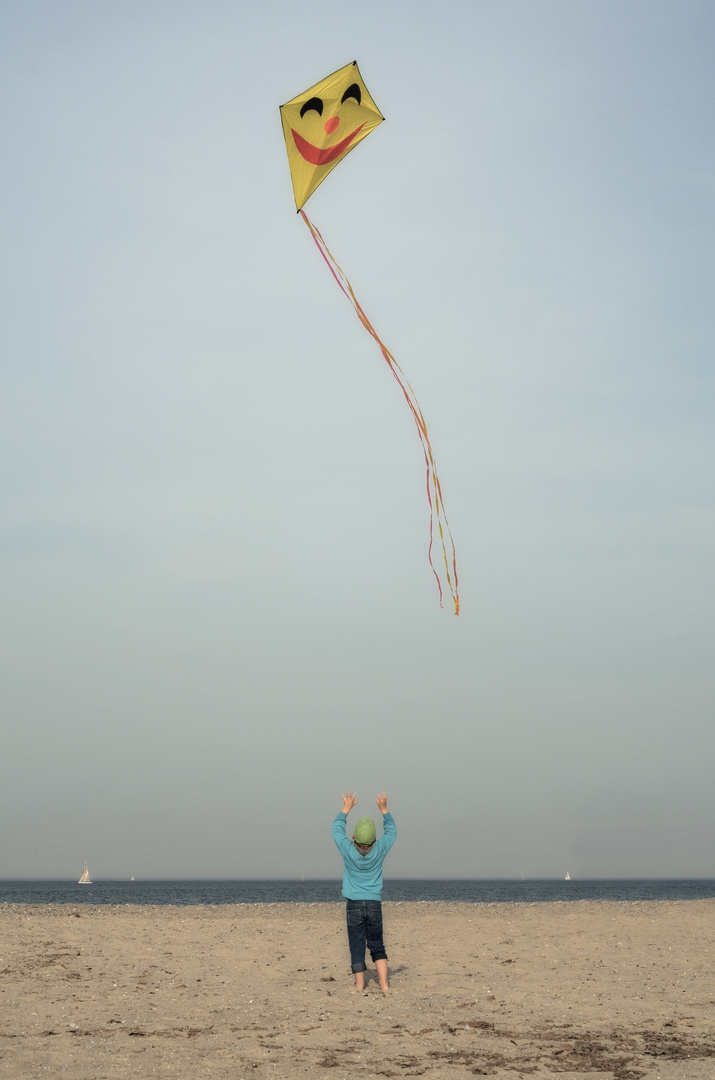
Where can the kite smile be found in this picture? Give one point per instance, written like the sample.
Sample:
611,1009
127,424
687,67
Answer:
315,155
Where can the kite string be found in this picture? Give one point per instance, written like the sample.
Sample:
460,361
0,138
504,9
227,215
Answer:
434,488
434,505
433,484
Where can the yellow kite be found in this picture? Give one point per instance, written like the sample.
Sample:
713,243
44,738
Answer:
321,126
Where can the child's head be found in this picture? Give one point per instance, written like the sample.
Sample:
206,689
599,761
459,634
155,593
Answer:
364,835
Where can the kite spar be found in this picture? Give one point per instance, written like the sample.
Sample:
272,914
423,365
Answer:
321,126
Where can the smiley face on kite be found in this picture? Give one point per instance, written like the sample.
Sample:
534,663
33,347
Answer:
323,124
316,155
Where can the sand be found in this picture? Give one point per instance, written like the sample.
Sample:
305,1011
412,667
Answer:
572,990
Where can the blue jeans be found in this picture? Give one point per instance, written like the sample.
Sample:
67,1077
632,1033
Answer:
365,928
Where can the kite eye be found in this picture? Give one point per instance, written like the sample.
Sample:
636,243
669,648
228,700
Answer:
352,92
312,103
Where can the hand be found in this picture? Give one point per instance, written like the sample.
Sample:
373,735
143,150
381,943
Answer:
381,801
349,800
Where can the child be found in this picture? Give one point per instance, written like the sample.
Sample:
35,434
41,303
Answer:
362,885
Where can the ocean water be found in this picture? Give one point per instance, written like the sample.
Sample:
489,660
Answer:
311,892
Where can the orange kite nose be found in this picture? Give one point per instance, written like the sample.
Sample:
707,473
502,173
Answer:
331,125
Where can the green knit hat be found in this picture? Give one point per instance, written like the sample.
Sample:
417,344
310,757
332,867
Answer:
365,831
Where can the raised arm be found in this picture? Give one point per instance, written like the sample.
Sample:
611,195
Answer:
388,824
349,800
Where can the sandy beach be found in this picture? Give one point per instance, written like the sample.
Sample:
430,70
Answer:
580,990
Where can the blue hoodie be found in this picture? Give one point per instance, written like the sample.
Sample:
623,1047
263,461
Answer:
362,877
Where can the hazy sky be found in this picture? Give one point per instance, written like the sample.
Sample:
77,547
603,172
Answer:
217,610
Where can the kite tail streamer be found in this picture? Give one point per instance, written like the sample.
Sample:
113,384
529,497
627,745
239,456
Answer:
438,516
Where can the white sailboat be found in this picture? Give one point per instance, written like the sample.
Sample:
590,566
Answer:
85,879
568,876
